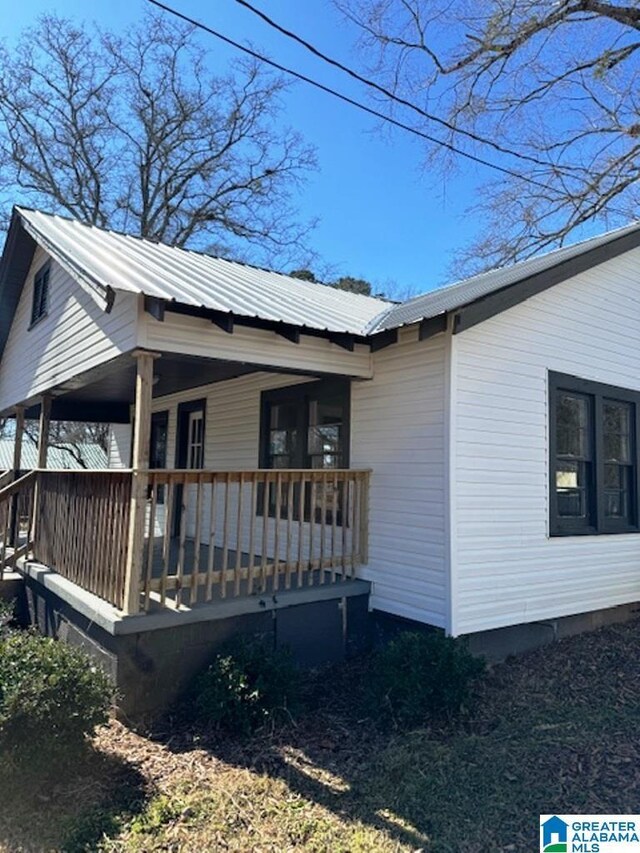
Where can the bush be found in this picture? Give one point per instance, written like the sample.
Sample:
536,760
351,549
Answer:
419,675
52,697
246,687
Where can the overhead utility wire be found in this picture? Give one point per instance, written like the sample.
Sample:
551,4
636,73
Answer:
345,98
387,92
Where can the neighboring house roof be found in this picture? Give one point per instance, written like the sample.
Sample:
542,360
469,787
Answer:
57,457
109,261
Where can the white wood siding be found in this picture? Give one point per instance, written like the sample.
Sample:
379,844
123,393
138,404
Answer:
75,335
200,337
119,449
507,570
397,430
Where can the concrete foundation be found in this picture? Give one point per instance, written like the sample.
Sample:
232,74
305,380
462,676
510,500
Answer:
499,643
152,660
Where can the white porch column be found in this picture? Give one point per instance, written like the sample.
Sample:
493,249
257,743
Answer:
140,466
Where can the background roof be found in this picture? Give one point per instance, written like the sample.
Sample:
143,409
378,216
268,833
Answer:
57,457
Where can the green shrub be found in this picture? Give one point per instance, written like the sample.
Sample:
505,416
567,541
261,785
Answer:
52,697
246,687
418,675
7,611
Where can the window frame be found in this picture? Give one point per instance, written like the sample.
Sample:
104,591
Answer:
300,396
597,523
42,277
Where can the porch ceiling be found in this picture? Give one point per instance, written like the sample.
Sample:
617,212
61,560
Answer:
105,393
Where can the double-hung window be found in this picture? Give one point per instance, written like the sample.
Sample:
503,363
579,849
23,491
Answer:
306,426
594,457
40,301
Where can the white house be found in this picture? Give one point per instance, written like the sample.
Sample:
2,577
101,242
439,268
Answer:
467,459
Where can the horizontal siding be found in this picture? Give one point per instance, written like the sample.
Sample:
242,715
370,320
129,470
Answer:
195,336
119,446
588,327
75,335
398,431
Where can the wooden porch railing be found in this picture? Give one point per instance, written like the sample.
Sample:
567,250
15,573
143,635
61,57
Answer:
16,519
219,534
207,534
81,528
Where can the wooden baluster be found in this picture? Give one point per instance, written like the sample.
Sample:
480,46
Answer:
276,533
181,542
238,566
312,528
150,542
364,520
334,525
265,534
352,526
288,565
323,524
252,524
225,539
345,516
301,497
195,577
166,540
355,529
212,540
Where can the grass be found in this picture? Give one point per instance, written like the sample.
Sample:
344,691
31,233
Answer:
556,730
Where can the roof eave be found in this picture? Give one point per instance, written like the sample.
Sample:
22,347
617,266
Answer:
491,304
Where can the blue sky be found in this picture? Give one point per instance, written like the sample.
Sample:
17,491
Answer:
382,217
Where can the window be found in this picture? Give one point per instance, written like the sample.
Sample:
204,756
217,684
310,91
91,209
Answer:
306,426
594,457
195,445
40,302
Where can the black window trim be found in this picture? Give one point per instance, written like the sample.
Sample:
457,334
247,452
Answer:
599,392
302,395
45,270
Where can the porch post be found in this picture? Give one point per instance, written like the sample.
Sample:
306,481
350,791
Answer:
139,482
17,444
43,433
17,454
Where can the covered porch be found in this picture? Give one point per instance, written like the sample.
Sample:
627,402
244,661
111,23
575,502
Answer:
154,537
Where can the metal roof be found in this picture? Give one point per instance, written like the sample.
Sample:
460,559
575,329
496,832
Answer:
124,262
455,296
111,260
57,457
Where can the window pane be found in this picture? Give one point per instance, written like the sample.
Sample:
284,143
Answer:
571,489
618,480
325,441
616,431
572,426
282,441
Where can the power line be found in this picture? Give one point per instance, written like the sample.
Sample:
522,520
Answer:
345,98
387,92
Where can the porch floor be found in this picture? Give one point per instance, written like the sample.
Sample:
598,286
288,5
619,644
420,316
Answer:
179,592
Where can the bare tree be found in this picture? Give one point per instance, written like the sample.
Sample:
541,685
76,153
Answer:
548,88
133,132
